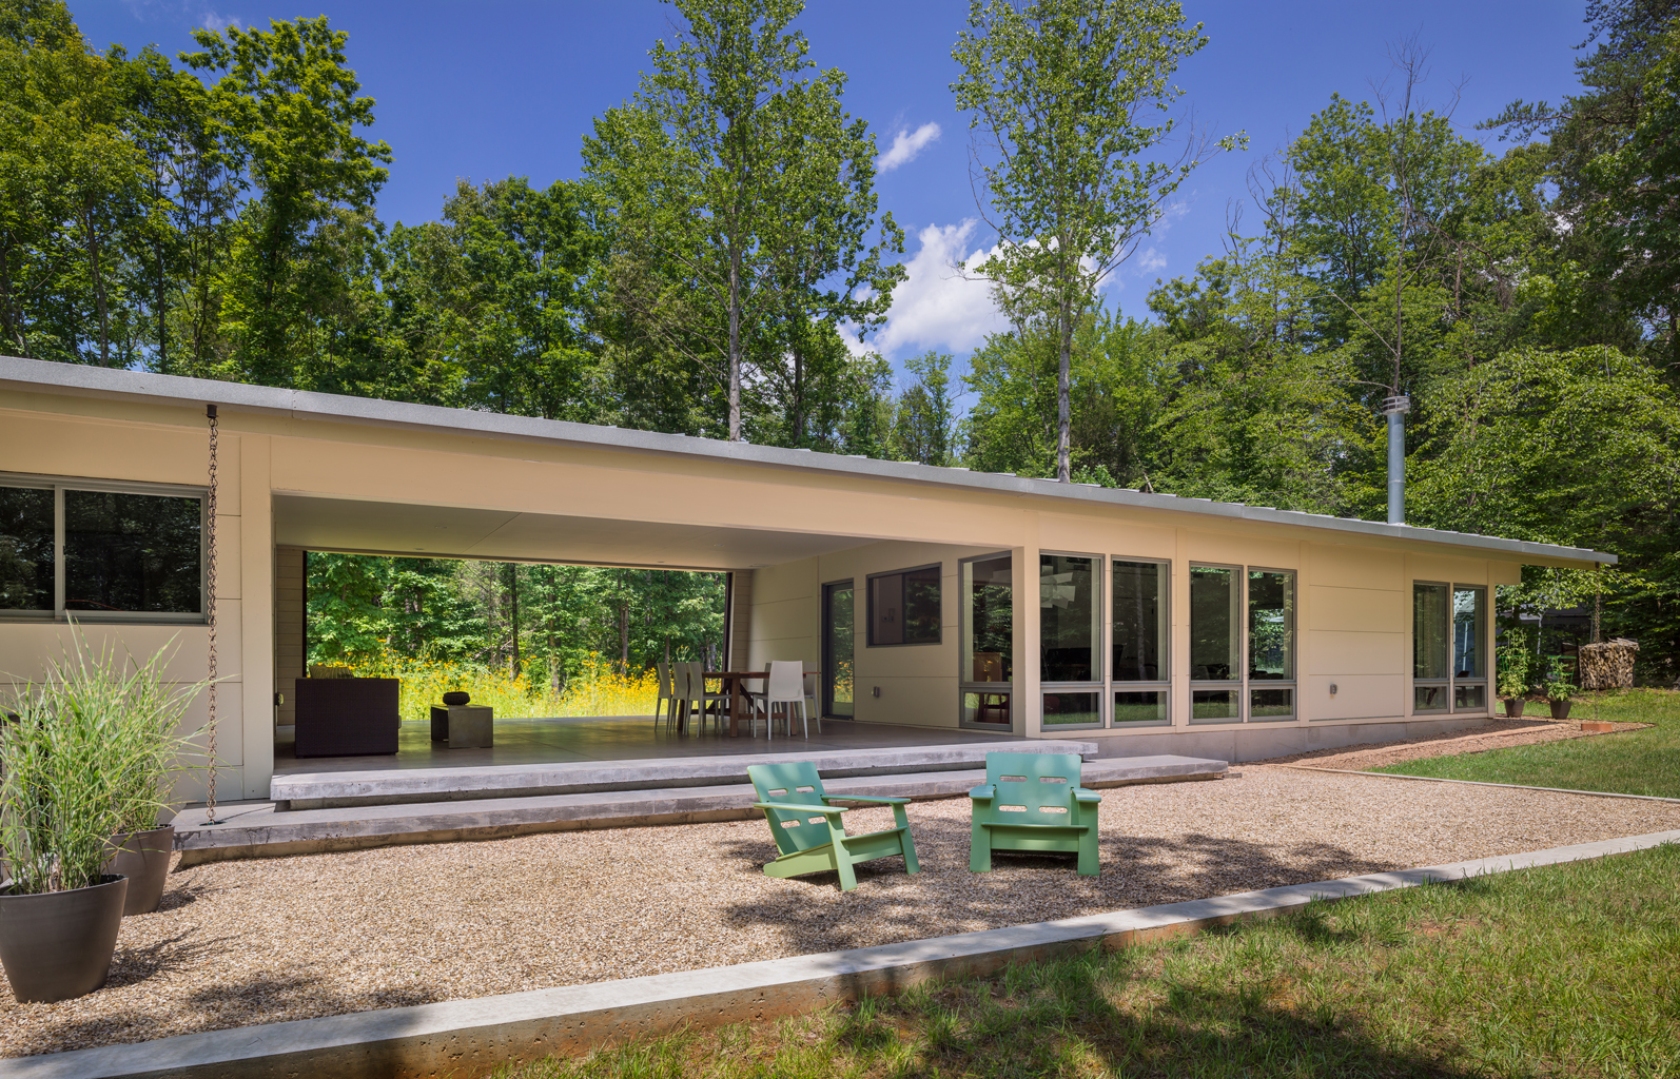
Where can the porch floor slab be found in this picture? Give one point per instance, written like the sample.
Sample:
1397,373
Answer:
392,786
618,738
262,830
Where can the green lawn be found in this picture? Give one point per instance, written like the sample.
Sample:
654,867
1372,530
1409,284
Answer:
1638,762
1568,970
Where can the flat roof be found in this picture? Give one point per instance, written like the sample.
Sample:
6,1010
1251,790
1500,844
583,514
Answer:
78,379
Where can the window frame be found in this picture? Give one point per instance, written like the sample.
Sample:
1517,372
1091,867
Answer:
61,484
1162,685
1097,686
1451,683
1292,683
1239,625
869,605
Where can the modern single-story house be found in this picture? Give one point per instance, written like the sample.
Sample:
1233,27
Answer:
971,600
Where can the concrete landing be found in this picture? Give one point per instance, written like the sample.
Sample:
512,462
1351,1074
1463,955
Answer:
261,830
399,786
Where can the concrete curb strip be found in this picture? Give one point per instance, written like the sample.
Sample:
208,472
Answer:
471,1037
1478,783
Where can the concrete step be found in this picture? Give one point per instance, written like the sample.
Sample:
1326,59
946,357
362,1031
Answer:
260,829
406,786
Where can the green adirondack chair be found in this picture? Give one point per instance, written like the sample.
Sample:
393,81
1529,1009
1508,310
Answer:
809,832
1033,802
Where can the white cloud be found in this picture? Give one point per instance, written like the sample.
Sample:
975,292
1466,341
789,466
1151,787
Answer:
906,145
942,303
218,23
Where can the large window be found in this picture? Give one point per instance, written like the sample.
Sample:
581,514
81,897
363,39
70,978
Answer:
1070,636
987,655
1449,648
100,553
1215,645
1138,648
1271,644
904,607
1224,688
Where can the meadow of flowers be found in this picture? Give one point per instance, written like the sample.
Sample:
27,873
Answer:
599,689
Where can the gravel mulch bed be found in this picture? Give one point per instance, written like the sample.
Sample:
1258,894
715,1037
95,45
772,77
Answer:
248,942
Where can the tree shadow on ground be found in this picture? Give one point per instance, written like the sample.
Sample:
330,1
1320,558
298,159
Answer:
1061,1018
811,914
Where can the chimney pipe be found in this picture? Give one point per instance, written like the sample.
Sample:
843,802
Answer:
1395,408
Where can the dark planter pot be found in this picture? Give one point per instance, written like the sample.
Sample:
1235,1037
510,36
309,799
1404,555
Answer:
1560,709
59,945
143,857
1514,707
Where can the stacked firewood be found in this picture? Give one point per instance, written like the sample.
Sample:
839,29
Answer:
1608,664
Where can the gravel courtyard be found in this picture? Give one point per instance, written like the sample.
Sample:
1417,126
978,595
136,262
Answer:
262,941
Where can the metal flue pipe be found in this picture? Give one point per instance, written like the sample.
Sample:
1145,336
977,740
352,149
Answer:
1395,408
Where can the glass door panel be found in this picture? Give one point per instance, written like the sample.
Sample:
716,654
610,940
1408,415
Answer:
839,650
987,654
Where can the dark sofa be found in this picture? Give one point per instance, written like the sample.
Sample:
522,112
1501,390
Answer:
346,717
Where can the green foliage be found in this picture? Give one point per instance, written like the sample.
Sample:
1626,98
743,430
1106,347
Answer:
541,622
1557,685
1071,100
1516,665
89,757
741,198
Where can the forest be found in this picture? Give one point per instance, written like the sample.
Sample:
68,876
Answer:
720,263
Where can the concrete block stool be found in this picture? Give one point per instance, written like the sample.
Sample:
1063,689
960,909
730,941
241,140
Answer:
464,726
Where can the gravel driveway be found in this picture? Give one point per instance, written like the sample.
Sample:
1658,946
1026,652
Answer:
261,941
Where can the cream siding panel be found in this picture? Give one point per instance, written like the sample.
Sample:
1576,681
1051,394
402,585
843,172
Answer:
1358,609
1357,567
1348,652
1365,696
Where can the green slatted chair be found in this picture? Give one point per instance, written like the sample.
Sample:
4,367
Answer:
809,833
1033,802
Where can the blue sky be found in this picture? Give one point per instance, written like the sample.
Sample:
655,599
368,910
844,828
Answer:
494,88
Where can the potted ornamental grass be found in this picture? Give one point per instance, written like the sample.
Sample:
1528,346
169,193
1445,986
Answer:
76,771
1559,689
1516,672
149,716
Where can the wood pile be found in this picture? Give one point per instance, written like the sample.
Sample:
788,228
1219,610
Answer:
1608,664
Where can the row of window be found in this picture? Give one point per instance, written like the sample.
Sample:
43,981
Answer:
1242,640
91,551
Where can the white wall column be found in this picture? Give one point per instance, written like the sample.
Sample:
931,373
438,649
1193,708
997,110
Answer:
1028,699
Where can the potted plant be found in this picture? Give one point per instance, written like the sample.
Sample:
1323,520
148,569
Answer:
1516,665
67,767
148,721
1559,689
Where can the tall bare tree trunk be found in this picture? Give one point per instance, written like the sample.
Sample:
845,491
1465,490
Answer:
1064,405
624,637
734,344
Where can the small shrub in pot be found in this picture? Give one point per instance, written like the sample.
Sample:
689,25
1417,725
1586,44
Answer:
1559,689
1516,671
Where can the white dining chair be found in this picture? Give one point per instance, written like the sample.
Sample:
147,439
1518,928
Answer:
785,685
667,701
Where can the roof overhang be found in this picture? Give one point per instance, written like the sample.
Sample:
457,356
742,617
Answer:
48,377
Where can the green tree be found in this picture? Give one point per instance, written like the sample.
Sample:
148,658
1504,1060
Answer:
1071,96
299,285
743,202
924,423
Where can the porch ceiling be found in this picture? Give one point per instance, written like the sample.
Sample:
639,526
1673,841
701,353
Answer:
330,524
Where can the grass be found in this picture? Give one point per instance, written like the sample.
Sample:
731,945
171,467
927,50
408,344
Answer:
1637,762
1567,970
597,690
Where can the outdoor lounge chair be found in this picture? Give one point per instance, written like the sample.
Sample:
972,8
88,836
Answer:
809,833
1033,802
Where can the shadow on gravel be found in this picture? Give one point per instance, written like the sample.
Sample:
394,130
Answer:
811,913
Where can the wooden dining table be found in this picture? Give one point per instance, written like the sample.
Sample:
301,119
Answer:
735,688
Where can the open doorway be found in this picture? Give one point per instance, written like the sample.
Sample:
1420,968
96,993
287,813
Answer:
839,651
